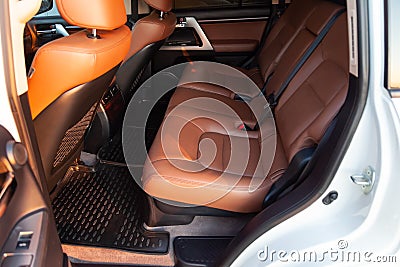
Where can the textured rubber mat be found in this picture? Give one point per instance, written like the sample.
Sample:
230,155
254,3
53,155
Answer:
199,251
112,151
105,209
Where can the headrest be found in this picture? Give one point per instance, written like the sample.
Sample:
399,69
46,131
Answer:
162,5
93,14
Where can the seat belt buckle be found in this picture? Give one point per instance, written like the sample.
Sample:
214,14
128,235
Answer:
244,127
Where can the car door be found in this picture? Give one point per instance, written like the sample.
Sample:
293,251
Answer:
28,233
226,31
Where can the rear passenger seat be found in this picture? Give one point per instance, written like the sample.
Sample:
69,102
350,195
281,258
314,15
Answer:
305,110
322,12
278,40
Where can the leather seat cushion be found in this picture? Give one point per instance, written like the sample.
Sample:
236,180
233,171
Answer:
181,169
183,94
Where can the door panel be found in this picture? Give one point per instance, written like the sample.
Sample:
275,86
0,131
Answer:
28,232
232,31
234,37
230,35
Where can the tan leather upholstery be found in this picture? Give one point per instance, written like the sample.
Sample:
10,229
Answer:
164,180
249,30
234,36
148,35
184,93
322,12
316,94
305,110
235,46
68,77
284,32
162,5
93,14
255,75
70,61
151,29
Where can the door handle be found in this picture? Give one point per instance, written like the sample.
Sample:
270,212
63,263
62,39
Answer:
55,29
6,185
60,29
16,157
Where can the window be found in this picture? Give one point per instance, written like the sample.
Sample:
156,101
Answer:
217,4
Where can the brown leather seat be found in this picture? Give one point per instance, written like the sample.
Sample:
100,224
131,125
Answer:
148,35
69,75
277,42
322,12
305,110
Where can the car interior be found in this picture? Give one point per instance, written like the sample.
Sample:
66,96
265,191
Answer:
90,67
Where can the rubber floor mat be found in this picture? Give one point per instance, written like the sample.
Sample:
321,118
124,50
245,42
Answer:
112,151
199,251
106,209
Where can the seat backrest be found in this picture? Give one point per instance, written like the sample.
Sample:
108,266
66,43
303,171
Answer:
310,102
322,13
68,76
316,94
282,34
148,35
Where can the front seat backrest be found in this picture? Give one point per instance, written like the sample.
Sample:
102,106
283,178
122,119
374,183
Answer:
148,35
69,76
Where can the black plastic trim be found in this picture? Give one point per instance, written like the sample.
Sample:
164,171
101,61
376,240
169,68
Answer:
291,175
226,13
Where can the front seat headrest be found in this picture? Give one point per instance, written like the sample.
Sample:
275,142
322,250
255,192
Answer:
93,14
162,5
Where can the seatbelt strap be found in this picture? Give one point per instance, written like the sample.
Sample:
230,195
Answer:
275,14
304,58
134,13
281,4
264,88
277,8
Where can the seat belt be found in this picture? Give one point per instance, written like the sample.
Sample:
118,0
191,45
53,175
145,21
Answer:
275,98
297,169
277,9
134,17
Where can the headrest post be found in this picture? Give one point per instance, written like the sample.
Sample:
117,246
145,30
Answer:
93,34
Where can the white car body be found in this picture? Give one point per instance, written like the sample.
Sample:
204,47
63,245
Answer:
357,223
367,223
